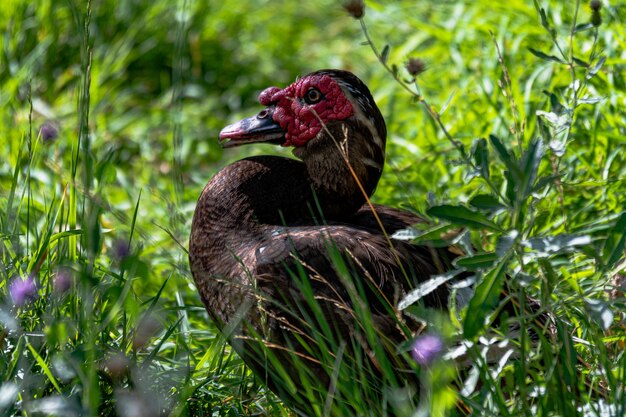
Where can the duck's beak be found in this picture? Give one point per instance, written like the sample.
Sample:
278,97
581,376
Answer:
259,128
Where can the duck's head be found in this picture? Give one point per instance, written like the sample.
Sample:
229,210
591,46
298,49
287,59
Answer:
312,108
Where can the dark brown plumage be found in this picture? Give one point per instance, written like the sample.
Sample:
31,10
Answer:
261,221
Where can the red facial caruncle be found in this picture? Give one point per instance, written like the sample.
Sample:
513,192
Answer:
303,107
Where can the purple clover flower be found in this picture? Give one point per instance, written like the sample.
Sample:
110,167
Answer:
48,132
23,291
63,280
120,249
426,349
147,327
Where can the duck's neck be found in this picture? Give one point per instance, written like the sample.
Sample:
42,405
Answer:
260,191
343,167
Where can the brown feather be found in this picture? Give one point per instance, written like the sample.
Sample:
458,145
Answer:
268,230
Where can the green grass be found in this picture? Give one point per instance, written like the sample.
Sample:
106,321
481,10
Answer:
492,140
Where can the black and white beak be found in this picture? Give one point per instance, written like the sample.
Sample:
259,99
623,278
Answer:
259,128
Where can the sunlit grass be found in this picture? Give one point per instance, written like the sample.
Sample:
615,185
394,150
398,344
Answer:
108,117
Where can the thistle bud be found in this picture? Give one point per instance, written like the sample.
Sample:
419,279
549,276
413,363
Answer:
596,18
356,8
415,66
595,5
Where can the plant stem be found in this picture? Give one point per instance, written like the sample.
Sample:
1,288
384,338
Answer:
433,114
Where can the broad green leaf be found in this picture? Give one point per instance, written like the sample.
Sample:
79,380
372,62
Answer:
435,236
476,262
549,245
594,70
511,186
542,15
485,299
480,153
551,117
506,241
524,279
580,62
544,181
543,129
486,202
555,104
528,169
590,100
426,287
545,56
581,27
463,216
503,153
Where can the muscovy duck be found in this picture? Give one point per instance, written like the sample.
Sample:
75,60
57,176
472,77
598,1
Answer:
264,221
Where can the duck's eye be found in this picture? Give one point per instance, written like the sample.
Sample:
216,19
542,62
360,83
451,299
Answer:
312,96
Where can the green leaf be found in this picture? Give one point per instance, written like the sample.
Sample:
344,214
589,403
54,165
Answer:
157,348
590,100
135,267
594,70
581,27
44,367
555,105
426,287
62,235
567,354
447,103
545,56
550,245
486,202
476,262
434,236
480,152
511,186
503,153
384,54
506,241
528,169
542,15
580,62
613,248
600,312
543,129
461,215
485,299
543,181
